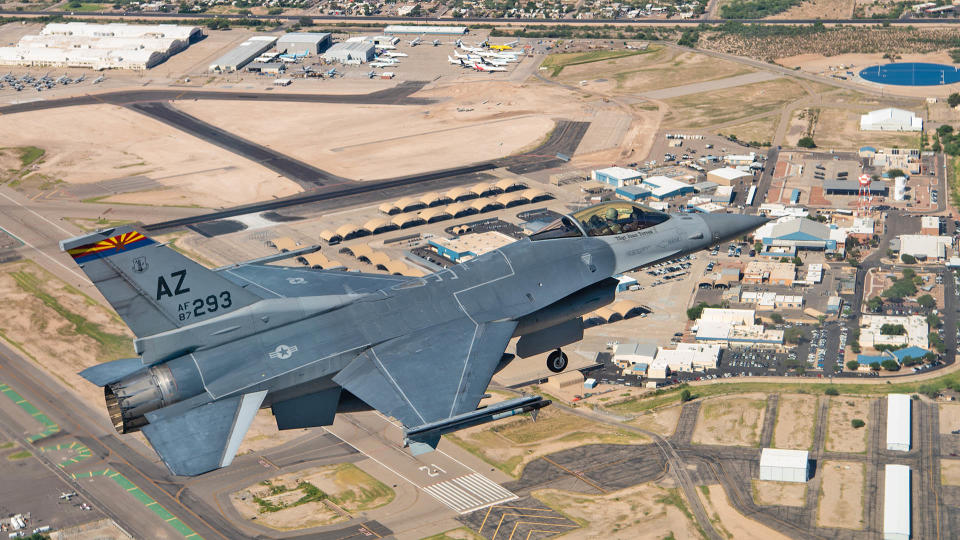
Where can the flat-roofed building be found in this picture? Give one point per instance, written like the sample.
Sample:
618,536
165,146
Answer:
732,316
899,422
896,502
350,52
726,176
469,246
616,176
626,354
301,43
930,225
768,300
776,273
243,53
891,119
663,187
915,331
925,247
781,465
690,356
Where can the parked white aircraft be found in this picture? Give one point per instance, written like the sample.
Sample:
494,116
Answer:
484,67
416,41
396,54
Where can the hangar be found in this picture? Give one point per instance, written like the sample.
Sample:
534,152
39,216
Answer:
407,221
435,199
460,194
509,200
243,54
433,215
330,237
301,43
896,502
409,204
377,226
350,52
890,119
459,210
616,176
662,187
784,465
485,190
350,231
508,185
486,205
726,176
535,195
898,422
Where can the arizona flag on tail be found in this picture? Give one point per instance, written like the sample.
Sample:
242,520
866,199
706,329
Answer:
122,242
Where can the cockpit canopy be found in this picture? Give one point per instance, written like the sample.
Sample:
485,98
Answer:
604,219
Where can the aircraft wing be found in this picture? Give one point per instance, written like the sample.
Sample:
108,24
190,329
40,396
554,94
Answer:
429,376
204,438
285,281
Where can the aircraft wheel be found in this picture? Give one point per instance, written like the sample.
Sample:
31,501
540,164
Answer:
557,361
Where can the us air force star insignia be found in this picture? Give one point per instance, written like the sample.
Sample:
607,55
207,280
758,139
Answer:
282,352
296,280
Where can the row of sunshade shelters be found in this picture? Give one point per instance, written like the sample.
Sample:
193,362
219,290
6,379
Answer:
617,311
382,261
433,215
455,195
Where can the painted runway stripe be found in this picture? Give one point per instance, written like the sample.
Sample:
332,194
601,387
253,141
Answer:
469,493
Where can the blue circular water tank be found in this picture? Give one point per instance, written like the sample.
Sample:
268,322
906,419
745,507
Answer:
912,74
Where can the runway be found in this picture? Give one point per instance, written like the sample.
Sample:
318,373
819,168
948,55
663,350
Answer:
398,95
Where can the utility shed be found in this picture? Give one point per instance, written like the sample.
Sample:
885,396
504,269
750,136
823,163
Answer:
898,422
896,503
784,465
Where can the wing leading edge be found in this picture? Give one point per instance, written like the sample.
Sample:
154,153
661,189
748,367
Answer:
429,376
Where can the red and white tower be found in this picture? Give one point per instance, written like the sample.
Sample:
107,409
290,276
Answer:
864,197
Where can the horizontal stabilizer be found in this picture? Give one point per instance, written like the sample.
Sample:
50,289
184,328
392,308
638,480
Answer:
424,438
111,372
204,438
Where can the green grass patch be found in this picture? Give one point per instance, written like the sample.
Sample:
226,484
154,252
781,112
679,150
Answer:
672,497
23,454
30,154
8,444
509,466
556,62
954,181
112,346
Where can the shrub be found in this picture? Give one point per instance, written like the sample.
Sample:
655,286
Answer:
857,423
831,392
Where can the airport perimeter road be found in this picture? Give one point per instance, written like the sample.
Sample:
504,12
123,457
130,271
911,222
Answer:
306,175
398,95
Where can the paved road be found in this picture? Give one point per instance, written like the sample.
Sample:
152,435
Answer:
398,95
710,86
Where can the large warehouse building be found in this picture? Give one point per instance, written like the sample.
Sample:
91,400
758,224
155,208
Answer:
300,43
784,465
100,46
896,503
350,52
890,119
243,54
898,422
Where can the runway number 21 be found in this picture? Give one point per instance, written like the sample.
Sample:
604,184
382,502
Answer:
432,470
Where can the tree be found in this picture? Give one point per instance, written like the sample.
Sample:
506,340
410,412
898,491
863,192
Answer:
777,318
894,173
831,391
936,342
908,258
927,302
796,260
853,365
686,395
933,321
875,304
911,361
893,329
953,100
792,335
758,246
875,366
695,312
890,365
806,142
305,21
857,423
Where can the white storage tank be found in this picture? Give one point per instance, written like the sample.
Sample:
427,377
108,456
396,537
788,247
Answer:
899,188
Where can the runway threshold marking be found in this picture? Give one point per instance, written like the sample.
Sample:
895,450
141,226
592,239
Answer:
469,493
148,502
50,427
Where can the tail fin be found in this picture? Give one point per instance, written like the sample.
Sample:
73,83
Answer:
152,287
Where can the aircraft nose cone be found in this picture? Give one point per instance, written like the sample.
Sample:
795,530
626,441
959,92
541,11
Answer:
728,226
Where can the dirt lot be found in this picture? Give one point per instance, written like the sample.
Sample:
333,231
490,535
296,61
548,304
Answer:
643,512
505,119
819,9
511,444
312,497
733,421
950,472
949,417
841,436
796,416
840,129
761,130
841,495
125,144
660,68
661,421
766,492
708,108
726,518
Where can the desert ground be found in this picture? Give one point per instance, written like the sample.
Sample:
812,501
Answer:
733,421
841,495
841,436
796,416
510,444
949,417
370,142
766,492
840,129
311,497
726,518
127,144
820,9
653,70
642,512
950,472
726,105
760,130
662,421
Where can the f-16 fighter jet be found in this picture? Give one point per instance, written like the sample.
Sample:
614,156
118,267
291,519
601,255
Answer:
214,346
